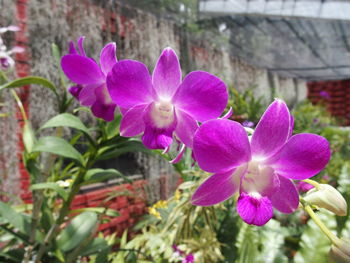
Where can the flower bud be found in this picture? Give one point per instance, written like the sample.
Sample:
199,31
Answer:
340,251
329,198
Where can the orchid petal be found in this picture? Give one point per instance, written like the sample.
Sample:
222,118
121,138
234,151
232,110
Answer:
72,49
179,155
228,114
254,210
108,58
158,132
87,95
291,127
286,198
303,156
272,131
167,74
81,46
220,145
103,111
81,70
132,123
75,90
186,127
202,95
129,84
217,188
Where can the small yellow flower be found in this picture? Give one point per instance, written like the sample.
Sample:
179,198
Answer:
177,195
161,204
154,212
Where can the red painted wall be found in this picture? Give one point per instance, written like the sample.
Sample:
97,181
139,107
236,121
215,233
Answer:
338,102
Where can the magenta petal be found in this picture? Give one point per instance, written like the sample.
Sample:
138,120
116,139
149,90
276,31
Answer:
272,131
103,111
132,123
129,84
217,188
286,198
75,90
291,127
202,95
81,46
303,156
72,49
167,74
81,70
87,95
108,57
220,145
254,210
158,133
186,127
179,154
154,138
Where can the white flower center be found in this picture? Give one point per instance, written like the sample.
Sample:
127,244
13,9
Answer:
162,114
257,178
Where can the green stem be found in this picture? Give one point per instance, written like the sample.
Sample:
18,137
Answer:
333,238
312,182
54,231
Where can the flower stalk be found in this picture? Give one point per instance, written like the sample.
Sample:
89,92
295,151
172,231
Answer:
313,183
333,238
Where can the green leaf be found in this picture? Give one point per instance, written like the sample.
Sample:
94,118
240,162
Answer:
28,137
77,231
18,220
314,245
66,120
52,186
125,147
57,146
99,175
57,55
98,210
112,128
247,244
96,246
14,255
30,80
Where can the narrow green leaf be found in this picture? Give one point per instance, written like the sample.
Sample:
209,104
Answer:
28,137
77,231
112,128
125,147
30,80
53,186
57,146
66,120
57,55
100,175
18,220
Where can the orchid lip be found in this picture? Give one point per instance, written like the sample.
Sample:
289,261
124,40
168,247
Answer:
162,114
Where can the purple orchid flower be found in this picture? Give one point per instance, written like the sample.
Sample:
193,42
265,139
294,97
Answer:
260,169
188,259
324,94
161,105
248,124
91,89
